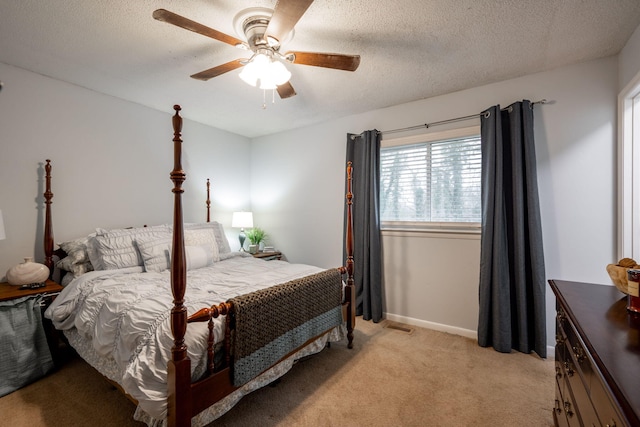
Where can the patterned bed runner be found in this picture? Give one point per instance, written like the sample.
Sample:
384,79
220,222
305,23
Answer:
273,322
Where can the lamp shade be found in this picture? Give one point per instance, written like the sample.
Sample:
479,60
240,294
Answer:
242,220
271,73
2,235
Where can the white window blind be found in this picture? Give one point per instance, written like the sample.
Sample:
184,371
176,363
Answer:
437,181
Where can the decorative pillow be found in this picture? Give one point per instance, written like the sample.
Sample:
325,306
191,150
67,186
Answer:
77,268
156,254
202,238
76,249
199,256
218,230
115,249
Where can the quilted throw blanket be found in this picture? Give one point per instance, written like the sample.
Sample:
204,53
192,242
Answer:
271,323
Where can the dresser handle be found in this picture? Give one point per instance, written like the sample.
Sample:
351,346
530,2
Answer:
567,408
568,366
577,350
557,407
611,423
561,317
558,373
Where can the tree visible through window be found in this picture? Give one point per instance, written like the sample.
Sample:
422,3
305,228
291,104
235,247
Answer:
436,181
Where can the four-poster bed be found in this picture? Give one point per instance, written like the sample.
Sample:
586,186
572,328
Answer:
270,316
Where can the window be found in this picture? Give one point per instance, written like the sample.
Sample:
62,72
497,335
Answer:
433,180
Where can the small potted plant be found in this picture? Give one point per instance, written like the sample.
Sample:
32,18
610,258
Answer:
256,236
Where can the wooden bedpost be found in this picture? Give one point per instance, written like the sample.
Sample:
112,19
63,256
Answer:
350,293
208,201
179,368
48,225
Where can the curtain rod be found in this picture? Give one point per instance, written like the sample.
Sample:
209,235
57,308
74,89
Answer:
444,122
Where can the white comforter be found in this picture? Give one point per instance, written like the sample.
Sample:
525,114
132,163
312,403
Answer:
119,320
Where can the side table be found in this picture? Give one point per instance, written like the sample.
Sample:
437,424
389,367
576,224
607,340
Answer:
9,292
268,256
48,292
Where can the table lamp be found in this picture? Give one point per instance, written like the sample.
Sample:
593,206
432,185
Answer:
241,220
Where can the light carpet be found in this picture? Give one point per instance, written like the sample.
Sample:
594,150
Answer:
390,378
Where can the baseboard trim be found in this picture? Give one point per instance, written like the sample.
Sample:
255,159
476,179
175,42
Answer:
469,333
432,325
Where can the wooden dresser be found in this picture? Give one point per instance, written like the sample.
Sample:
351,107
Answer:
597,357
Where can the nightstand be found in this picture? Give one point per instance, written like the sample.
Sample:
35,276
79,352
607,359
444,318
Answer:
268,256
9,292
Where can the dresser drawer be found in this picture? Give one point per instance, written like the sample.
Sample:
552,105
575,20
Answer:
569,405
577,369
580,389
581,358
605,408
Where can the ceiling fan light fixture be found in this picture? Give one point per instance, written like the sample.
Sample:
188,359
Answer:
249,74
279,72
271,73
254,69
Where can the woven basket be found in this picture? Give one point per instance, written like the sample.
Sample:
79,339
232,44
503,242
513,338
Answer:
619,277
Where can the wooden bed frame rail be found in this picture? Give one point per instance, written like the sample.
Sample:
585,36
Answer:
187,399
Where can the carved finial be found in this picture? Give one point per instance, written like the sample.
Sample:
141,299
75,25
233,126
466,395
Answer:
177,121
48,195
349,179
208,201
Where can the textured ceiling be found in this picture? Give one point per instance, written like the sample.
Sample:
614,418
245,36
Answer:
410,50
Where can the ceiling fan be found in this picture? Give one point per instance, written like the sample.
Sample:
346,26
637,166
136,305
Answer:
264,31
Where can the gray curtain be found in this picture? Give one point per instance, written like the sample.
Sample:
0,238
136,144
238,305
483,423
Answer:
364,151
512,276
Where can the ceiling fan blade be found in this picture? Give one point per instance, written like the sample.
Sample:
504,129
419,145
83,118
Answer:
182,22
326,60
286,15
220,69
286,90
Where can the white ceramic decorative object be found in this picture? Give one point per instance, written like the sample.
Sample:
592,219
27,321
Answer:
27,272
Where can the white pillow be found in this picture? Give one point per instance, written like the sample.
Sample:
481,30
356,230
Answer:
199,256
202,237
156,254
116,249
218,231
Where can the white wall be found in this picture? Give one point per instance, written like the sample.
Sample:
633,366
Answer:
629,59
297,192
111,163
